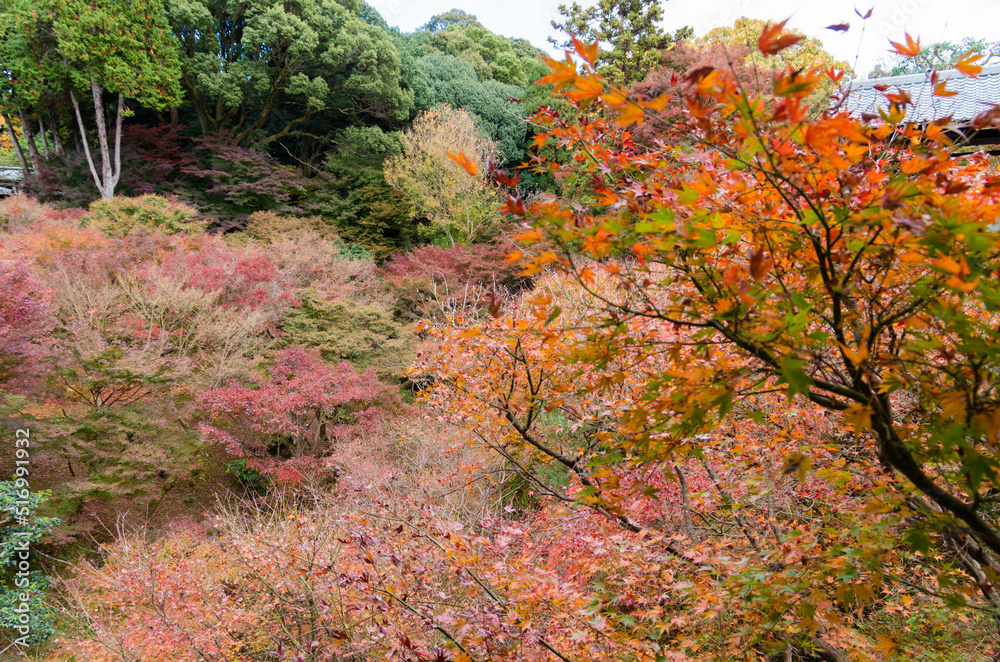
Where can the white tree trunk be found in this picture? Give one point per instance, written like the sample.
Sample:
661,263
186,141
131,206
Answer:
111,165
119,113
106,188
83,139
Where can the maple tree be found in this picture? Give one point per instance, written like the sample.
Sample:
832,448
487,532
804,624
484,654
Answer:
757,250
298,412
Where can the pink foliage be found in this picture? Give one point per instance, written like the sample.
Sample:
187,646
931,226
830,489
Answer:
479,263
431,279
245,277
298,411
25,314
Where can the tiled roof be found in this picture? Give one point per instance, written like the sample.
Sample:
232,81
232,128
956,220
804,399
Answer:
9,174
974,95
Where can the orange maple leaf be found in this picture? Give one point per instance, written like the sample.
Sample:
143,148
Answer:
967,64
587,89
941,91
629,115
772,40
467,164
589,53
657,104
910,49
563,73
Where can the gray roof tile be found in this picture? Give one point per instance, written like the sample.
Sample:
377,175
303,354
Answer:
974,95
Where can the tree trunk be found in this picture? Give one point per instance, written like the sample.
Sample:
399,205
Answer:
119,114
83,139
977,561
111,164
17,145
106,188
56,140
828,652
45,140
36,160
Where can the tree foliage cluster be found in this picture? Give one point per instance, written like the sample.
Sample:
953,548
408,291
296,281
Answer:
241,106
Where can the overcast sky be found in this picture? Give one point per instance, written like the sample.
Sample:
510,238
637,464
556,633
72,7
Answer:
931,20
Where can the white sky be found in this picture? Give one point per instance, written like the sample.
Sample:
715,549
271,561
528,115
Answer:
931,20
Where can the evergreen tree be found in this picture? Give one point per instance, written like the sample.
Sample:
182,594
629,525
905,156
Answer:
631,28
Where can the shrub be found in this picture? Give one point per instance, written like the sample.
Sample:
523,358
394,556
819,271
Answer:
25,315
121,216
249,477
269,226
343,329
431,281
19,212
164,313
245,277
152,158
232,182
63,180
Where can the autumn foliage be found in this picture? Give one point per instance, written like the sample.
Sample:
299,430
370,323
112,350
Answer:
731,395
299,412
25,315
758,254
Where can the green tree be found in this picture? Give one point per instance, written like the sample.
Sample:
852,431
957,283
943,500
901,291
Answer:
455,60
631,29
260,69
354,196
450,80
455,17
121,47
493,56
